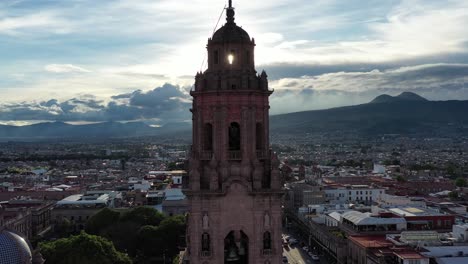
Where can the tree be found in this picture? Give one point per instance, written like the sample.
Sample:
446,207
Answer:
165,239
171,230
460,182
98,222
453,195
400,178
82,249
63,227
124,235
143,216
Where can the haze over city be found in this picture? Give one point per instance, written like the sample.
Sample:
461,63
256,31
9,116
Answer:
87,61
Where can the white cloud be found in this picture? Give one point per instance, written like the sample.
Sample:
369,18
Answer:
64,68
48,21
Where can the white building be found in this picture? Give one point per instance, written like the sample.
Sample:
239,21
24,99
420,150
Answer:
353,194
460,232
387,199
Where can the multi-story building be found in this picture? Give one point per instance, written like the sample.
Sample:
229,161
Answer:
353,194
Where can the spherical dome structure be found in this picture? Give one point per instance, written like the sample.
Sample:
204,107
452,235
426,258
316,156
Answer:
13,248
231,33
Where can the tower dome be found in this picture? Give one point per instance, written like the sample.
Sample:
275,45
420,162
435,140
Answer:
230,32
13,248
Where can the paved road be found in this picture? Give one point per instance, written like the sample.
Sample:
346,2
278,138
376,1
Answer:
297,255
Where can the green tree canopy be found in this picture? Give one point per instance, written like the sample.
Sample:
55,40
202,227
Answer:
124,235
101,220
82,249
164,239
460,182
143,216
400,178
453,195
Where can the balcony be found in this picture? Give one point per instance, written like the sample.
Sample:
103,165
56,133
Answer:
267,252
235,155
206,253
206,155
262,154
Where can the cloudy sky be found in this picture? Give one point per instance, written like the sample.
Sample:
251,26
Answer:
122,60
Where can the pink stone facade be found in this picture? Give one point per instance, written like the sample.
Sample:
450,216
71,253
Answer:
234,188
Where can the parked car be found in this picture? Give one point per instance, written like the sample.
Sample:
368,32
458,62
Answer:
293,241
285,259
315,257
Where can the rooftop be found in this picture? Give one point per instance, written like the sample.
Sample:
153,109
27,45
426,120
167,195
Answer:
371,241
414,211
359,218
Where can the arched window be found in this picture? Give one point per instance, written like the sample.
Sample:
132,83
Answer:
247,57
208,137
234,136
205,242
266,240
216,57
259,136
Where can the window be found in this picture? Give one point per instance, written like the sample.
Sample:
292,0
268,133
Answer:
208,137
205,242
247,57
216,57
234,136
259,137
266,240
231,57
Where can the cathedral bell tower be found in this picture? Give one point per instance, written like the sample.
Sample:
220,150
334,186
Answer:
234,184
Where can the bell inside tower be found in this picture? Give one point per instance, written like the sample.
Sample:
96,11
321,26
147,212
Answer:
236,245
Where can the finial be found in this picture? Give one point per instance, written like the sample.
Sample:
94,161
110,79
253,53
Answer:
230,13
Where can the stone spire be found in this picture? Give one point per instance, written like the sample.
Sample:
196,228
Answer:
230,13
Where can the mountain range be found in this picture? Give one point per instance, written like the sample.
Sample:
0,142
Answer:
407,113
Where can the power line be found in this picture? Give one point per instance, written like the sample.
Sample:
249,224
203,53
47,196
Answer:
214,30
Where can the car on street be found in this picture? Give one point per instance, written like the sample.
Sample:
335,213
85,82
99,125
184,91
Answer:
315,257
285,259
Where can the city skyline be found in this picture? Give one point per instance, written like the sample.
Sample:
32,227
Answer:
135,60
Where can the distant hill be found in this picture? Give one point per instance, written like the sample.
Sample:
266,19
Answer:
407,113
89,131
405,96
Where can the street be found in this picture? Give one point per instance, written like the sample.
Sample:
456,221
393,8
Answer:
296,255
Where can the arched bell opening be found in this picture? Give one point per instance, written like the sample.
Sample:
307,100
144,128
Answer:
236,248
234,136
208,137
259,136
